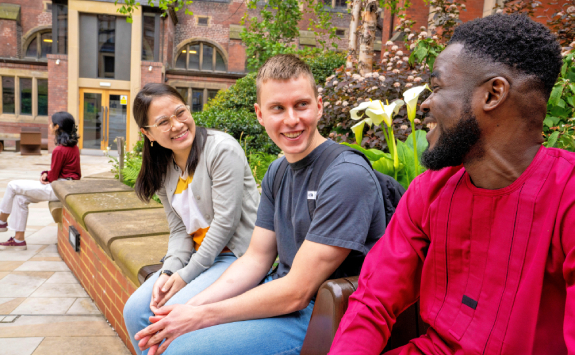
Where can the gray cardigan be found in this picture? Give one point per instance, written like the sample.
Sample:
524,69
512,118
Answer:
227,196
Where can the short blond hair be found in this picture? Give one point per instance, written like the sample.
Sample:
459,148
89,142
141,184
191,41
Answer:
284,67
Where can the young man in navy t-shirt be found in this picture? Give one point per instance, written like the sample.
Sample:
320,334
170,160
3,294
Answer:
250,310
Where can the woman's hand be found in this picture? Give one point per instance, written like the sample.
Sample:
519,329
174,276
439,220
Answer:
170,288
169,323
44,179
157,293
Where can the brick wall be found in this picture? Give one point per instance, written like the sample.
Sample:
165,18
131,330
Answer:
57,89
9,39
154,76
32,14
229,82
99,276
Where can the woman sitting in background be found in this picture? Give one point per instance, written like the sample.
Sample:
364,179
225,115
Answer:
20,193
209,194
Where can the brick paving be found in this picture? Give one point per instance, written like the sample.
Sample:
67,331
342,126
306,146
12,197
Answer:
43,308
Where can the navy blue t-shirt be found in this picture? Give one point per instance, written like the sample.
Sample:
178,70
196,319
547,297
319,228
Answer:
349,209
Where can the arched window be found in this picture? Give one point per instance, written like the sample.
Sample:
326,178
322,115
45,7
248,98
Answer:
39,44
200,56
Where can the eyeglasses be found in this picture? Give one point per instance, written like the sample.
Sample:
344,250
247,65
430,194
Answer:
165,124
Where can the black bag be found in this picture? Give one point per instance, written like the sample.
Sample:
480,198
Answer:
391,190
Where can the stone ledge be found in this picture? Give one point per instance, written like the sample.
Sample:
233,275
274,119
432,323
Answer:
107,227
83,204
133,255
55,208
63,189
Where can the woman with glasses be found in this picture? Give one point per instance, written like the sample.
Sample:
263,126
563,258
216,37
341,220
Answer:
209,194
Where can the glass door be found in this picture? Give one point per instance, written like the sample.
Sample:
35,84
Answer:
103,118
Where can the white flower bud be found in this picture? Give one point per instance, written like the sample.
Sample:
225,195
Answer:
403,126
396,84
382,78
399,63
405,59
389,43
345,103
335,83
395,71
417,80
338,102
410,78
410,37
394,48
408,85
399,53
417,121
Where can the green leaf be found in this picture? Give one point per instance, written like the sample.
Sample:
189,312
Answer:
556,94
405,155
371,154
552,139
549,121
421,141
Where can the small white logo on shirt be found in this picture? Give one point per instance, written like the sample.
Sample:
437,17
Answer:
311,195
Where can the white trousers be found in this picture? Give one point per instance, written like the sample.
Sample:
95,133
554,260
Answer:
19,194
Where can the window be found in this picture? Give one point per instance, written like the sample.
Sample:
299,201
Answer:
106,45
200,56
336,4
42,97
25,96
340,33
196,98
59,28
151,37
203,21
8,97
39,45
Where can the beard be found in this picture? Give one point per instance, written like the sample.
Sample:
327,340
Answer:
455,144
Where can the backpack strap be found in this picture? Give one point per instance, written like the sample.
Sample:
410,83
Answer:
279,176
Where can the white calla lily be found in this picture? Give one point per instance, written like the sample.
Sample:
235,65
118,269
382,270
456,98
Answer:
391,110
357,129
411,96
363,106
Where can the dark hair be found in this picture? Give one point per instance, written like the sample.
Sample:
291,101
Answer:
516,41
155,159
67,133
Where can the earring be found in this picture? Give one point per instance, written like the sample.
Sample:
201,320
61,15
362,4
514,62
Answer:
152,144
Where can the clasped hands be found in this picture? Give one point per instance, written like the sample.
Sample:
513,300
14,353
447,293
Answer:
167,324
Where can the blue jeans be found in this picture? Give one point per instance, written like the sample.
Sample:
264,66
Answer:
281,335
137,310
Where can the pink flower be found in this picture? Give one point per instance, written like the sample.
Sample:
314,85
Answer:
403,126
417,80
417,121
394,48
396,84
389,43
408,85
410,78
410,37
399,53
395,71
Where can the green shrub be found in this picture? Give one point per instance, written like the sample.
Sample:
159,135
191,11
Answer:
241,124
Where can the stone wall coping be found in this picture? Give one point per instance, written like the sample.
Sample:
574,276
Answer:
81,205
63,189
107,227
134,254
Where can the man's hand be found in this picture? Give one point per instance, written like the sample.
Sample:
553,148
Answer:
169,323
170,288
44,179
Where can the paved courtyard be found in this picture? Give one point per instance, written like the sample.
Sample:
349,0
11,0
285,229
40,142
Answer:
43,308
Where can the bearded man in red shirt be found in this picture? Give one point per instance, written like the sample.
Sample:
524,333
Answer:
485,239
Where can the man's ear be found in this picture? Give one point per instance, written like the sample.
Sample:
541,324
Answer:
497,91
147,134
259,114
319,106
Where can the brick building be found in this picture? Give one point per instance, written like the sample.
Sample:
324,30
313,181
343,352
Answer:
81,56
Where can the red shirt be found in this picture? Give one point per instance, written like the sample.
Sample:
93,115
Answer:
65,164
494,269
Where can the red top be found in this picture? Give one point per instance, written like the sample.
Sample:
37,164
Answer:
494,269
65,164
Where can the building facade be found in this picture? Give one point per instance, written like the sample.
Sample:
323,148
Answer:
82,56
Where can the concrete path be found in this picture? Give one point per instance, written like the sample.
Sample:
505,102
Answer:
43,308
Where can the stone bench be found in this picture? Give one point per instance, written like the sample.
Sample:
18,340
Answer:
122,241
